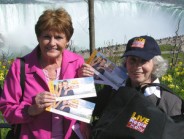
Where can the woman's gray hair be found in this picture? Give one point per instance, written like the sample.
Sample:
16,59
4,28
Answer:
160,66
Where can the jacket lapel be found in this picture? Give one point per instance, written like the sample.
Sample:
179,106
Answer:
66,60
34,66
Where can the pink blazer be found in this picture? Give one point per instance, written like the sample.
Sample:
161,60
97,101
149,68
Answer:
40,126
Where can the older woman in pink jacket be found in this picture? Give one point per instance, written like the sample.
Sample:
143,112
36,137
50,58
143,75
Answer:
50,60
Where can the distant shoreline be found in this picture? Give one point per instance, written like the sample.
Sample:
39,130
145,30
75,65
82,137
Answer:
119,48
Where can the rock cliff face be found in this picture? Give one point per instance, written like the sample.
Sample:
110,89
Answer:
171,40
119,49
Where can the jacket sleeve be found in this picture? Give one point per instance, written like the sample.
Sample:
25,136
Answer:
79,63
13,110
170,104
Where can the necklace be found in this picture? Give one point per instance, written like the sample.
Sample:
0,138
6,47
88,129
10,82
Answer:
51,72
52,76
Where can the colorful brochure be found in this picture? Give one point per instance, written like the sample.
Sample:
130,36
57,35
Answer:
106,72
67,94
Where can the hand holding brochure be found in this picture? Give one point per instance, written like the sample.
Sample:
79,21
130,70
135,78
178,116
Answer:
67,94
106,72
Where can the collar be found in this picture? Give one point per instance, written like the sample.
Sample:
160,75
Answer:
153,90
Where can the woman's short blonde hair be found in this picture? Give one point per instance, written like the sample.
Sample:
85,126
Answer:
55,19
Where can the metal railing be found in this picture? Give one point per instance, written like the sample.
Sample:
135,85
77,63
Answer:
3,125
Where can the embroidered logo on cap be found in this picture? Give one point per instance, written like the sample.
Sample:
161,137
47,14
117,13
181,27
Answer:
138,42
138,122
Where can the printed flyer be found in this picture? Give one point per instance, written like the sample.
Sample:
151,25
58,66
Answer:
68,93
74,108
74,88
106,72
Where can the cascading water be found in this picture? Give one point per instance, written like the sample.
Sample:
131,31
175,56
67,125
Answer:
115,22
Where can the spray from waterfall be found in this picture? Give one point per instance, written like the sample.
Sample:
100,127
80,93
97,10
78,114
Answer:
115,22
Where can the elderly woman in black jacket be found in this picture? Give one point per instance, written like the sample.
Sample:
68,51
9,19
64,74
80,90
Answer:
144,65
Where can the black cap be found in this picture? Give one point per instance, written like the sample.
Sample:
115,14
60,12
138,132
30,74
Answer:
144,47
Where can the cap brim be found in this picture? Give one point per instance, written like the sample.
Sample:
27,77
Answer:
140,54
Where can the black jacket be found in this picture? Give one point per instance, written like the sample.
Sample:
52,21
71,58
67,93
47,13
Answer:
128,114
169,103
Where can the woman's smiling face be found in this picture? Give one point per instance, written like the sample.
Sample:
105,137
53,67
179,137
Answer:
139,70
52,43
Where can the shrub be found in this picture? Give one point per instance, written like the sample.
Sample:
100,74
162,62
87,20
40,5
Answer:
4,66
174,79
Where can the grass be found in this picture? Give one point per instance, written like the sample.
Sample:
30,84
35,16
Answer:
166,47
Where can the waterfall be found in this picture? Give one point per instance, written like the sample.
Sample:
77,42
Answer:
115,22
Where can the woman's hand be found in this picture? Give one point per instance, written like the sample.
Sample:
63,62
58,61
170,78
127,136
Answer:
86,71
42,101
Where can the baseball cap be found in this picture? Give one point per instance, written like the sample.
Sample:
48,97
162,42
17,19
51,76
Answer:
144,47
